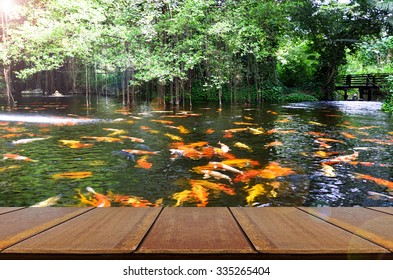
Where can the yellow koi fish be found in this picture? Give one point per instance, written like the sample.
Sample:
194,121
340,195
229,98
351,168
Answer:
243,146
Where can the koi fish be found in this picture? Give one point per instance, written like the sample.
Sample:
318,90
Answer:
241,163
215,174
271,112
348,135
100,199
323,154
273,144
244,123
103,139
316,134
133,139
328,171
317,123
200,194
182,197
28,140
256,131
274,170
254,192
47,202
174,137
209,131
2,169
330,140
74,144
228,134
224,148
18,157
213,186
143,163
234,130
242,146
115,131
222,166
163,121
379,181
72,175
181,129
140,152
134,201
342,159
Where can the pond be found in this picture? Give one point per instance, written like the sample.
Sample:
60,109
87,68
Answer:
59,152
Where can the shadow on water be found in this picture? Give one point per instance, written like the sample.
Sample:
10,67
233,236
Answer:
286,149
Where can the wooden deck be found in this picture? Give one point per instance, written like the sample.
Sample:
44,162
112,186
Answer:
196,233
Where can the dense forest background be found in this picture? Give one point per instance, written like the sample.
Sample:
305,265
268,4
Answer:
180,51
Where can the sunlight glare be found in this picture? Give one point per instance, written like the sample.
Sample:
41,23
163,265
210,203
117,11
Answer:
6,6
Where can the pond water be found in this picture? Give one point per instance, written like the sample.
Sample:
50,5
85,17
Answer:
299,154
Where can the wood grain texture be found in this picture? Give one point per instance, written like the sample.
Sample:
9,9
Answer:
388,210
18,225
101,231
367,223
196,230
4,210
287,230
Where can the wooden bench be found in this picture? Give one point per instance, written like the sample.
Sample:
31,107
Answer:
196,233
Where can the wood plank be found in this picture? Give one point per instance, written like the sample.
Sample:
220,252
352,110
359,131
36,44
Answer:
101,231
388,210
369,224
287,230
4,210
196,230
18,225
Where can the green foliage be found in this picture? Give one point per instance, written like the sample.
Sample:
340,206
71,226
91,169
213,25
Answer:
299,97
297,63
387,105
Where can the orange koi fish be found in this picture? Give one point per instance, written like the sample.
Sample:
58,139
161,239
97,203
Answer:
213,186
241,163
246,175
133,139
323,144
274,170
75,144
234,130
200,194
143,163
228,134
99,200
17,157
273,144
140,152
342,159
163,121
323,154
209,131
330,140
244,123
379,181
316,134
72,175
134,201
348,135
2,169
